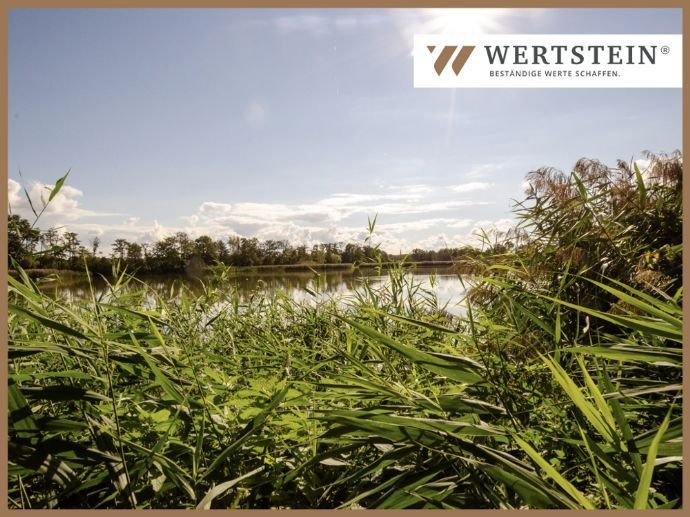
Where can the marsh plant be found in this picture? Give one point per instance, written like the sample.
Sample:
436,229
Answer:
559,387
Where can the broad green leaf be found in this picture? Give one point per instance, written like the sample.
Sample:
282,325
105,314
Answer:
58,186
642,493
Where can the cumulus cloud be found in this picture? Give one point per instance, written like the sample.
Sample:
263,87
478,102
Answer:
325,220
474,237
500,225
423,224
393,237
327,211
211,208
409,216
65,205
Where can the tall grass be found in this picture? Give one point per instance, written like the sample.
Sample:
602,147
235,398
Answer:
559,387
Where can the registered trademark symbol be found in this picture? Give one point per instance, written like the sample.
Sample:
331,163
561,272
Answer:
665,49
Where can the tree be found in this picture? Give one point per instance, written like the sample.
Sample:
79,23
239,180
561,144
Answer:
134,252
95,243
248,252
166,256
206,248
71,244
223,252
146,250
120,248
49,240
317,254
185,246
21,239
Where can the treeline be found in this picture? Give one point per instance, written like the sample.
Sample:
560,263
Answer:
33,248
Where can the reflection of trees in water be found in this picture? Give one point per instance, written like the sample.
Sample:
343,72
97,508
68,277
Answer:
328,282
331,284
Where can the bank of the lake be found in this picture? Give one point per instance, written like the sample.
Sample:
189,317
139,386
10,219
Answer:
303,267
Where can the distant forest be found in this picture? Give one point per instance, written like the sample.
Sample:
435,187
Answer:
33,248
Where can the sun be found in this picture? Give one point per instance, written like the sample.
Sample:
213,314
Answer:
462,21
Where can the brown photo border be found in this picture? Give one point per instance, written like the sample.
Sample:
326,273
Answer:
5,6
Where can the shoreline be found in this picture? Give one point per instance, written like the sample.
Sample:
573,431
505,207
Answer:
259,269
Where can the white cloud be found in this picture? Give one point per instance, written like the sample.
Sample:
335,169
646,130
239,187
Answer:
65,205
470,238
322,25
313,23
209,207
642,164
155,232
471,187
460,223
13,190
412,189
327,211
645,171
409,216
423,224
429,233
500,225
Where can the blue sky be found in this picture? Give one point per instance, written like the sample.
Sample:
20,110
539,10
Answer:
299,124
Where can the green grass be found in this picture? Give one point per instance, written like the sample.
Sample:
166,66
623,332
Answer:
202,402
559,387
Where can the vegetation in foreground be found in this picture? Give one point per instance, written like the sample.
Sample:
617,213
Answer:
560,388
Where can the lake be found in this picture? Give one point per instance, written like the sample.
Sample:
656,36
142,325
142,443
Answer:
307,287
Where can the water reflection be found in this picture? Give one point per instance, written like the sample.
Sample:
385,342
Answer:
304,287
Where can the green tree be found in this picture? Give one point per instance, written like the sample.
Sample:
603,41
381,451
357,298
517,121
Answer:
134,252
206,248
120,248
166,256
71,244
21,239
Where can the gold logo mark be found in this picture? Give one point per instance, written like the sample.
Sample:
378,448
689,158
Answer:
445,55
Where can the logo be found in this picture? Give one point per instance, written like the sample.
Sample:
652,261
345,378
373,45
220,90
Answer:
549,61
445,55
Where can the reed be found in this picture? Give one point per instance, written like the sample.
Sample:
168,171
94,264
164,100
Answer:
560,386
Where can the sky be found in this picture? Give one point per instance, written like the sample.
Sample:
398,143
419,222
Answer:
299,124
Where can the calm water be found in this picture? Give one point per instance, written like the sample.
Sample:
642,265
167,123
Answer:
301,286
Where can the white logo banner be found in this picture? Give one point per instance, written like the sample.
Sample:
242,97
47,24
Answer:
549,61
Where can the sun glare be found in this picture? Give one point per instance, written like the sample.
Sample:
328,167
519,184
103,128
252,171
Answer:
462,21
454,22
